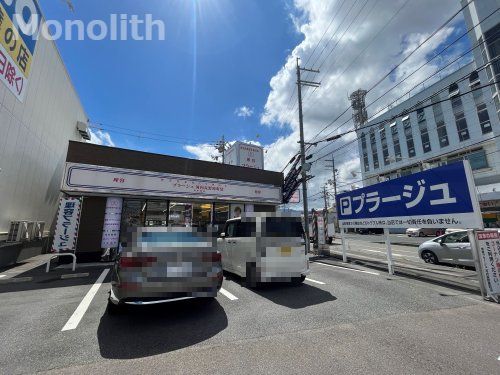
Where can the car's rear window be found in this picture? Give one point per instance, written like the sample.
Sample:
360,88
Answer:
283,227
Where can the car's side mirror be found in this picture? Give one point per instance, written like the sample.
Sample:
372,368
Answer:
222,235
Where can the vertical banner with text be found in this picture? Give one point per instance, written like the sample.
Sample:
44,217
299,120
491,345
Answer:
488,246
68,221
112,222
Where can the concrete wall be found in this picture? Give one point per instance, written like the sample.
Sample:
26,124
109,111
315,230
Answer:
34,138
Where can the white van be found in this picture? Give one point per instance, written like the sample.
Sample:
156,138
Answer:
264,248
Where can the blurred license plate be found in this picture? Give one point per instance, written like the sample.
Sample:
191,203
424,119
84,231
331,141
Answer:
179,271
286,251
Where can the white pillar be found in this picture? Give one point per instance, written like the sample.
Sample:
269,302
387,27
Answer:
390,262
344,245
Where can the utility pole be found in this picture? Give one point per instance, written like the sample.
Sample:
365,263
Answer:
334,179
304,167
220,146
325,196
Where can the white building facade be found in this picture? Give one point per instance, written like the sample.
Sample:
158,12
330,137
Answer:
449,121
34,135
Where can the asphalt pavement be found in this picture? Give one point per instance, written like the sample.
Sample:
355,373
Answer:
343,319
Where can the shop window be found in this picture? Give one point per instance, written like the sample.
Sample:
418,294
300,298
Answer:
180,214
133,215
156,213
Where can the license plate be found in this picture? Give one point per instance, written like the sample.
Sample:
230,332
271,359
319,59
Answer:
286,251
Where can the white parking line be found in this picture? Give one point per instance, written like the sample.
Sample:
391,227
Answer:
225,293
315,281
393,254
347,269
80,311
2,276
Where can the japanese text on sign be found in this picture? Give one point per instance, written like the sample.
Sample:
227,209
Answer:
436,197
67,225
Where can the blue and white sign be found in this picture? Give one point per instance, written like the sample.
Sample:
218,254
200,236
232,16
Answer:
442,197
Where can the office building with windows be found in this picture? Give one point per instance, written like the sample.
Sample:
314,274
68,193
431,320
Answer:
451,120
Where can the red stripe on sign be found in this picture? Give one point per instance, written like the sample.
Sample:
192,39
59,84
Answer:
490,235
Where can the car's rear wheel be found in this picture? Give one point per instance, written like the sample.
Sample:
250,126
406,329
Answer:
298,280
430,257
251,275
421,234
113,309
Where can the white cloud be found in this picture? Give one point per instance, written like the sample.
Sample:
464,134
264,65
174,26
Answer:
100,137
205,151
340,76
244,111
344,70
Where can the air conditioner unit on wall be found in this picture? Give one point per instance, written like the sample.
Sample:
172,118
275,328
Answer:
18,231
38,228
83,129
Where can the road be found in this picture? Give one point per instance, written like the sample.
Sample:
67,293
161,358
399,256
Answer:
341,320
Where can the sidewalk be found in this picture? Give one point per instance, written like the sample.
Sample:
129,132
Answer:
25,266
448,276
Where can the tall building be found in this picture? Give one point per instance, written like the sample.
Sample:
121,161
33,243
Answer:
450,120
40,112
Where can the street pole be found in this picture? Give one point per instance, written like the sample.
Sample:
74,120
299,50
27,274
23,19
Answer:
303,150
325,197
334,179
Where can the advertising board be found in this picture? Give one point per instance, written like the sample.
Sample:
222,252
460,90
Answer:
68,221
443,197
488,247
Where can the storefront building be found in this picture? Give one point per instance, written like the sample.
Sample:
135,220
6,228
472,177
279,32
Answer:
121,189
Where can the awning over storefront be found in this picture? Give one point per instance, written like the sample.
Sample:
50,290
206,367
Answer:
100,170
490,192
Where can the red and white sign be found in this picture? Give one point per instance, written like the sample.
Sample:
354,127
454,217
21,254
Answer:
295,198
81,178
488,246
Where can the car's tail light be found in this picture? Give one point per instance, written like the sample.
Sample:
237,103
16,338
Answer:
212,257
136,262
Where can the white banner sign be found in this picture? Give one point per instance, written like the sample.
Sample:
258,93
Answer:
321,229
68,221
81,178
489,255
112,221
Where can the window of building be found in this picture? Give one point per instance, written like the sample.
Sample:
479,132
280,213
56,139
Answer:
478,160
490,51
458,111
395,142
364,150
156,213
482,110
424,132
385,147
373,144
442,132
409,136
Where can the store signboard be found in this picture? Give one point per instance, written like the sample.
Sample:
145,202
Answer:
443,197
245,155
84,178
20,22
321,228
112,221
68,221
295,198
488,247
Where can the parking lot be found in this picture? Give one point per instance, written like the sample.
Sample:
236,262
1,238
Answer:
342,319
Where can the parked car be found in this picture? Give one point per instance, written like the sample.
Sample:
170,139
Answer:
164,264
371,230
422,232
264,248
452,248
452,230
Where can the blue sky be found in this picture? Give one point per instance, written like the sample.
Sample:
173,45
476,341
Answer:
218,55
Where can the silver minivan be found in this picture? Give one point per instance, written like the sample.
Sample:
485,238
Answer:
264,248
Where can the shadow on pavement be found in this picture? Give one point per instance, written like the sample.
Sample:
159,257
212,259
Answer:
142,331
39,279
288,294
